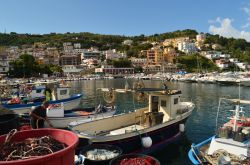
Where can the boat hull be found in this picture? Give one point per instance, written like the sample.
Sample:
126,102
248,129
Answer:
63,122
194,151
69,103
163,135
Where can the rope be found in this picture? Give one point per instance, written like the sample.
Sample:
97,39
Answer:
10,135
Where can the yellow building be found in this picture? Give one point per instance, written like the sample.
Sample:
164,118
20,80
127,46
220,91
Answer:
169,54
154,56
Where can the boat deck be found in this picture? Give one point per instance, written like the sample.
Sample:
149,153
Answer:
213,159
131,128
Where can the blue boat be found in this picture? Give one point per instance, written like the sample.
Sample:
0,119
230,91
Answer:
61,95
231,143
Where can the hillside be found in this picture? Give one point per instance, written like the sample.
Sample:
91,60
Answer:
238,48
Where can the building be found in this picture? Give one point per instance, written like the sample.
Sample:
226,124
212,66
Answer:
52,55
72,69
174,41
242,65
136,62
154,56
113,54
166,68
4,63
90,54
200,38
13,53
169,54
38,52
70,60
227,56
222,63
77,45
143,53
212,55
187,47
114,71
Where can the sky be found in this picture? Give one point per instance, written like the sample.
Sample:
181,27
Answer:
228,18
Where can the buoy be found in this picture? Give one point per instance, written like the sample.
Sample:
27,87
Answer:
146,142
182,127
33,107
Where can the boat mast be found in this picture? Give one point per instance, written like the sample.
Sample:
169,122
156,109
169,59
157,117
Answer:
237,113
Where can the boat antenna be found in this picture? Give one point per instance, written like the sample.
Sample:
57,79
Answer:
217,115
239,92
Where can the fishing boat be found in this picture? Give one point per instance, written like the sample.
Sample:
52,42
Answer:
230,144
141,130
61,119
60,95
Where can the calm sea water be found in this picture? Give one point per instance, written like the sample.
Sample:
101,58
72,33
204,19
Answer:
199,126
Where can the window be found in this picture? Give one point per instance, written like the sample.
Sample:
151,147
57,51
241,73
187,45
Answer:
38,91
63,92
163,103
176,101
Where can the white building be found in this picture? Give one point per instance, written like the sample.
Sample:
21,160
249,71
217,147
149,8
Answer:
242,65
138,61
211,54
233,60
90,54
77,45
72,69
112,54
187,47
225,56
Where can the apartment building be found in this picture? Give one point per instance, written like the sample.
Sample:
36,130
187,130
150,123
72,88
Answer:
113,54
154,56
187,47
70,60
4,62
169,54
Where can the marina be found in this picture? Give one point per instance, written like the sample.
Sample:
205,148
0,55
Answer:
199,126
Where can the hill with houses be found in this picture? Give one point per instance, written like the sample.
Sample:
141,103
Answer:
77,53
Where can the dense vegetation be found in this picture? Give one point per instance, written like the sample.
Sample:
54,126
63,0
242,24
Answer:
26,66
196,63
87,40
238,48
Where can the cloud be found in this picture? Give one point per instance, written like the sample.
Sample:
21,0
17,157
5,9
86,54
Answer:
226,29
246,9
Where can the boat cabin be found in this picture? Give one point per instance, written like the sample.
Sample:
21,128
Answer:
165,103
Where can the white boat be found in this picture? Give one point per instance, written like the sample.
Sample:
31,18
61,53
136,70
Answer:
61,95
142,130
231,143
245,81
61,119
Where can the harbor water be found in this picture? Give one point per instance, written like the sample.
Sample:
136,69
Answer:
200,125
